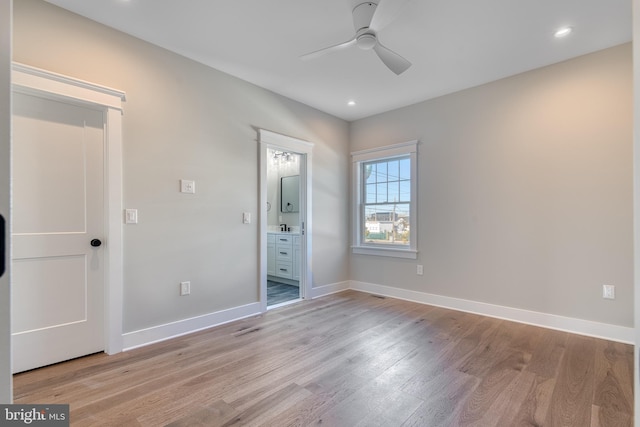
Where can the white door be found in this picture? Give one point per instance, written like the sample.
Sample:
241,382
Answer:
57,275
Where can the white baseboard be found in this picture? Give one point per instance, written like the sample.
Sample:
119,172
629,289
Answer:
332,288
164,332
567,324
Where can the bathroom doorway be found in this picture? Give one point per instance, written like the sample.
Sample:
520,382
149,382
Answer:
283,226
284,220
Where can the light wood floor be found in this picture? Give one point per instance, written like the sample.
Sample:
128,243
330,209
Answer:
350,359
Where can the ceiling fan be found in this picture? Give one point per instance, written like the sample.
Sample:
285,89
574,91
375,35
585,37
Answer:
368,19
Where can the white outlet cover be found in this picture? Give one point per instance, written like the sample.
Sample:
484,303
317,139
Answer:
608,291
185,288
187,186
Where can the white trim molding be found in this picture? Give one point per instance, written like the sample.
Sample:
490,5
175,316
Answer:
35,81
30,79
321,291
178,328
550,321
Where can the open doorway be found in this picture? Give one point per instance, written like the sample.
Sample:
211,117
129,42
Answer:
283,227
285,223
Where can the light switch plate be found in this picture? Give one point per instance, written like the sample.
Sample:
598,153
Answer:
187,186
246,217
131,216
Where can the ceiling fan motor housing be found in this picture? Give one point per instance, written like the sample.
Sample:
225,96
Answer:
366,40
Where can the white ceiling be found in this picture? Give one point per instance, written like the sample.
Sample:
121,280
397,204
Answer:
453,44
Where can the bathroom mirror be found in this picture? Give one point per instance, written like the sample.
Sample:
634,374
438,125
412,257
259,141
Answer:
290,193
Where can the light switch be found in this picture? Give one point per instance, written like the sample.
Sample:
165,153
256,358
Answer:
246,217
131,216
187,186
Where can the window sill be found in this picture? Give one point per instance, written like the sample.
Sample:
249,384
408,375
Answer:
388,252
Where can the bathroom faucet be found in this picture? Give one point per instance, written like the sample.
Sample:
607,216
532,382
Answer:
283,227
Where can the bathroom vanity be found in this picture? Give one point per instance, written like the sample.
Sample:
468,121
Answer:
283,256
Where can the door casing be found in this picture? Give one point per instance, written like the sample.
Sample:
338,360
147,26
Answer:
45,84
281,142
6,378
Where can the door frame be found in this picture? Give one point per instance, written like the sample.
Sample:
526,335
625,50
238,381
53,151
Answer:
636,205
6,377
273,140
45,84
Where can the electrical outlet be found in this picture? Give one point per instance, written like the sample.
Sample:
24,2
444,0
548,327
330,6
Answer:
608,291
187,186
185,288
419,270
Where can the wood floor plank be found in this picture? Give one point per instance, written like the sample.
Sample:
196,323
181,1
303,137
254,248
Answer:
216,414
613,395
483,406
326,394
350,359
574,390
533,410
442,399
545,360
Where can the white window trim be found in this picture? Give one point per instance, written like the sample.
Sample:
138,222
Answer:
358,247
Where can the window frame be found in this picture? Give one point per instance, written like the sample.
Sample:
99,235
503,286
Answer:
389,152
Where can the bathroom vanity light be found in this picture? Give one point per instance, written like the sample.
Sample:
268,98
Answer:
282,156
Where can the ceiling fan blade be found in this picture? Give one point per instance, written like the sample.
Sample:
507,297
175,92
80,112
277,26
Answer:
386,12
334,48
395,62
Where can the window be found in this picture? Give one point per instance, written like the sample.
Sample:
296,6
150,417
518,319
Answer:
385,201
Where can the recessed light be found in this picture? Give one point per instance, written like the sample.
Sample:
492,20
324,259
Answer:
563,32
351,103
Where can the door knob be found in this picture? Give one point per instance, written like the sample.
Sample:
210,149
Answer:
95,243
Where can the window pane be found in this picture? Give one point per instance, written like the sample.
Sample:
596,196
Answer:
381,192
405,169
405,191
370,194
370,173
387,224
381,175
393,170
394,192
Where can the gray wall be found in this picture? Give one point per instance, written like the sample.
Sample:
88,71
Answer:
5,136
183,120
525,190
